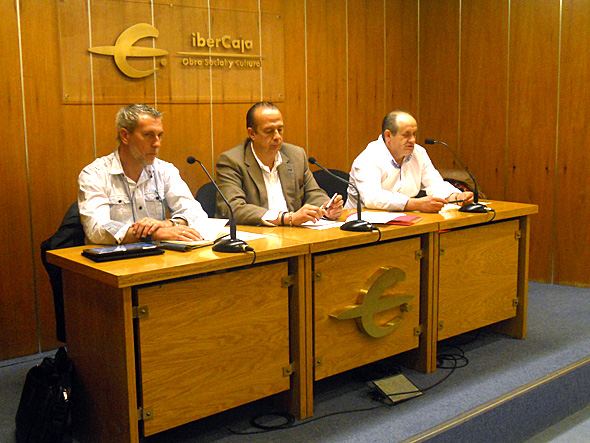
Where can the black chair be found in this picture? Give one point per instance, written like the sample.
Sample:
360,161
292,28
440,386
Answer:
330,184
70,233
206,196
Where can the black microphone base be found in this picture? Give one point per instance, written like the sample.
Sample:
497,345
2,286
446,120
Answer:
357,226
230,245
474,208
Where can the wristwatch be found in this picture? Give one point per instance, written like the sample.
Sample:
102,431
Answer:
174,221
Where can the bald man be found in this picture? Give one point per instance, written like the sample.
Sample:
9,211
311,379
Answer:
391,171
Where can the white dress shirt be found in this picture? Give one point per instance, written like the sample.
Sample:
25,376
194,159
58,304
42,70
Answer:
110,202
274,191
383,184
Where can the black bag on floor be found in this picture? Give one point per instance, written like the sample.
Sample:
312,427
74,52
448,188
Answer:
43,414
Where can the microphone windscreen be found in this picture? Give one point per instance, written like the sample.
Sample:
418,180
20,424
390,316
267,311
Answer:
429,141
312,160
191,160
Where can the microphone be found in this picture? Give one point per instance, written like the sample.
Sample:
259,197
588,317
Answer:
471,207
353,225
231,244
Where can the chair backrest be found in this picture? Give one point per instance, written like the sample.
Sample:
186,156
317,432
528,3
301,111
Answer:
206,196
70,233
330,184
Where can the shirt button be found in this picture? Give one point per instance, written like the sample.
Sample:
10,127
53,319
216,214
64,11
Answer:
140,208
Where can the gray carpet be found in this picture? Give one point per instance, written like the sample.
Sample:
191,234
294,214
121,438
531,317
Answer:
558,335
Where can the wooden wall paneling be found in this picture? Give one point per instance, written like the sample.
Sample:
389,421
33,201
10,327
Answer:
439,77
573,187
273,49
187,131
105,124
60,141
229,126
239,18
532,122
177,22
326,77
401,51
18,324
482,119
366,97
294,106
109,20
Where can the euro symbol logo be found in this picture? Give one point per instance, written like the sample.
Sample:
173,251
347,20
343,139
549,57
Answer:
370,303
124,48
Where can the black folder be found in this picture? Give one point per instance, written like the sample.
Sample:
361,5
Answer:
120,252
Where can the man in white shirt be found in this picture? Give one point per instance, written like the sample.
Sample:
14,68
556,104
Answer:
391,171
125,197
267,181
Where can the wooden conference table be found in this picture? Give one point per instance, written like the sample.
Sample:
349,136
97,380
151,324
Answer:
164,340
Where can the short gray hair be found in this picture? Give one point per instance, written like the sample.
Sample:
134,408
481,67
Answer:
390,121
128,117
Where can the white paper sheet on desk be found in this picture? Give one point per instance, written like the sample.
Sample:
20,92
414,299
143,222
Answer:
322,224
375,217
211,227
241,235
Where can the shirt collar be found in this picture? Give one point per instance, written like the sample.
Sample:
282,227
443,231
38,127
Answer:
117,168
389,157
277,162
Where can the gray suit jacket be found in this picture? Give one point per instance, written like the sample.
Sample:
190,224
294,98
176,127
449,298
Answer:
240,179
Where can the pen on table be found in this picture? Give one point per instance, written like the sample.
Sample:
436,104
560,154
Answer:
327,205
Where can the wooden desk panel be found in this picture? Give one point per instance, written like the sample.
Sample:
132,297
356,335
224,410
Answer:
341,345
478,277
212,343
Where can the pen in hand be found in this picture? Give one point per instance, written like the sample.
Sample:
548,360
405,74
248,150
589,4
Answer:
326,206
456,201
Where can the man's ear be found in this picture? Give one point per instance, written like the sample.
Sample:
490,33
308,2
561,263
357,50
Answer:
387,135
251,133
124,136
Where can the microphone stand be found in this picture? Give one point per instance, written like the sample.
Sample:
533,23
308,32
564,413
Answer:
231,244
353,225
471,207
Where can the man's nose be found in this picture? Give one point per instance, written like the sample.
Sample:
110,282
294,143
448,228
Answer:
158,141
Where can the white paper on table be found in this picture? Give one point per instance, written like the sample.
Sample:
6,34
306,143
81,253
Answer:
322,224
380,217
211,227
241,235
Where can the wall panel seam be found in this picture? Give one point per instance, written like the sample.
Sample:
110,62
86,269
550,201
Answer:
154,64
26,142
306,80
347,86
556,172
260,48
459,80
210,90
507,117
91,61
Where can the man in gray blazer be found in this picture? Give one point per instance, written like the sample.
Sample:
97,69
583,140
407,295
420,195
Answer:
267,181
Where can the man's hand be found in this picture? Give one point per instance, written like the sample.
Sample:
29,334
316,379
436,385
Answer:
425,204
306,213
182,233
334,210
467,198
147,226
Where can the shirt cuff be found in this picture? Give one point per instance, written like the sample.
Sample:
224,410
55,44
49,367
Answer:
271,214
121,233
400,204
